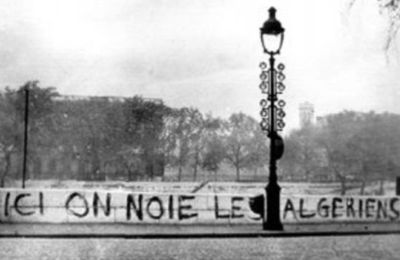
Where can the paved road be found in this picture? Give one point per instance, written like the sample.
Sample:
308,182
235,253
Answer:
115,230
380,247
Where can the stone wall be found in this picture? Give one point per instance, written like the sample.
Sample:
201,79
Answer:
102,206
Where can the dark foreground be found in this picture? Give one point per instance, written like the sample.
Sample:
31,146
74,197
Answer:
380,247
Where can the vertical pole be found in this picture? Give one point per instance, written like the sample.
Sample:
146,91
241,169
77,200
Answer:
272,133
25,136
272,217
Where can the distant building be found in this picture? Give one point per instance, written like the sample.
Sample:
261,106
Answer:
103,98
306,114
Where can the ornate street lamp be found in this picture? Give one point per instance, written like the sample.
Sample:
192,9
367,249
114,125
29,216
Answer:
272,114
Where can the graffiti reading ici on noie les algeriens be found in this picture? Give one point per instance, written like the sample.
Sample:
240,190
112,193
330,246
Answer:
178,207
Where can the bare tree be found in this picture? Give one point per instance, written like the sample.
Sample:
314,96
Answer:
244,142
390,9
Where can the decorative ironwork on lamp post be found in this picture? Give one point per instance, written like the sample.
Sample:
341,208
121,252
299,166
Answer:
272,114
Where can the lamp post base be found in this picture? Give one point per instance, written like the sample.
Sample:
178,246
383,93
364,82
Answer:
272,219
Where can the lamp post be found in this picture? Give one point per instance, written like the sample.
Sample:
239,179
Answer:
272,114
25,154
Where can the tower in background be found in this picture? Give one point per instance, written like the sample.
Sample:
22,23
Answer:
306,114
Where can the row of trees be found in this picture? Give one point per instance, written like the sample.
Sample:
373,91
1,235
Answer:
98,138
346,146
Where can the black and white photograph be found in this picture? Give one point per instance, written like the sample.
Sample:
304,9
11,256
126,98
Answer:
177,129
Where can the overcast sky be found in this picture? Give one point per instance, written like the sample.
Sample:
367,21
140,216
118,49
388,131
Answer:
201,53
